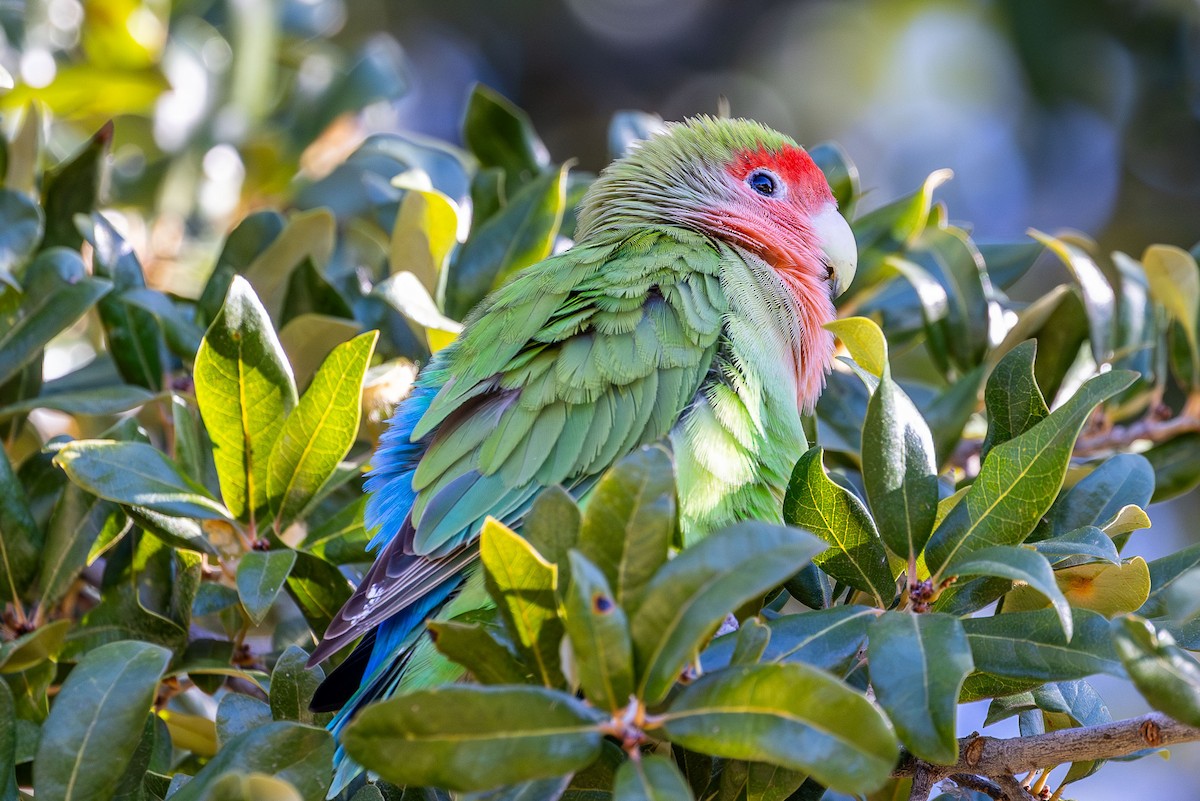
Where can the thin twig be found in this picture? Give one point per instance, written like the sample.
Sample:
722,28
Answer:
980,785
1148,428
1001,759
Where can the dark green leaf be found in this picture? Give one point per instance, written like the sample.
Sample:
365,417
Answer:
8,744
342,538
97,720
1030,645
22,231
790,715
292,688
309,236
260,577
1088,542
523,585
317,435
179,329
1166,675
520,234
949,412
136,474
237,714
79,520
102,401
52,305
651,778
72,188
629,521
134,336
1122,480
1019,480
1008,261
473,646
291,752
1176,464
1099,299
918,665
515,734
752,639
689,598
318,588
856,554
599,631
245,243
20,536
824,638
244,388
534,790
500,135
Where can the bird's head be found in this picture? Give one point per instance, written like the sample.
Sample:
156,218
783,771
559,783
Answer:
737,181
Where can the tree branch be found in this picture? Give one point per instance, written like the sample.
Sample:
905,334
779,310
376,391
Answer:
1150,428
1000,759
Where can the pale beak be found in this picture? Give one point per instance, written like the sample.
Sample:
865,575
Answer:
838,245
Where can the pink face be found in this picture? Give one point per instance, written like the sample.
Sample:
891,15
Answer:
768,208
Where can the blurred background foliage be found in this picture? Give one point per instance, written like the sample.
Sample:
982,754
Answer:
1072,114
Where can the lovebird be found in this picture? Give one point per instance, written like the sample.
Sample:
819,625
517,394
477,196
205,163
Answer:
689,311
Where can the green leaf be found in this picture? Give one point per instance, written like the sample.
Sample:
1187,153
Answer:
1030,645
500,135
918,665
291,752
599,633
552,528
520,234
1099,299
889,228
20,536
790,715
514,734
1014,402
1019,480
690,596
1176,464
318,588
134,336
292,688
475,648
948,412
52,305
248,240
405,293
72,187
899,471
652,778
97,720
244,388
308,339
34,647
92,402
1174,280
629,521
309,236
1122,480
426,231
825,638
1018,564
523,585
136,474
23,224
751,642
318,434
8,744
1166,675
78,521
341,538
534,790
260,577
856,555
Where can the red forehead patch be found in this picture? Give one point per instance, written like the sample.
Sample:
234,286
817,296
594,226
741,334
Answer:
791,164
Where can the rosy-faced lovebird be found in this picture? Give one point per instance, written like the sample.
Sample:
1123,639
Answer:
690,310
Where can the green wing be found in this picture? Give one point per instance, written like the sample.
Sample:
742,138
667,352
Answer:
572,364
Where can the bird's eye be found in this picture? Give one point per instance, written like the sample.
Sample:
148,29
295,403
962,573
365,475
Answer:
763,182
